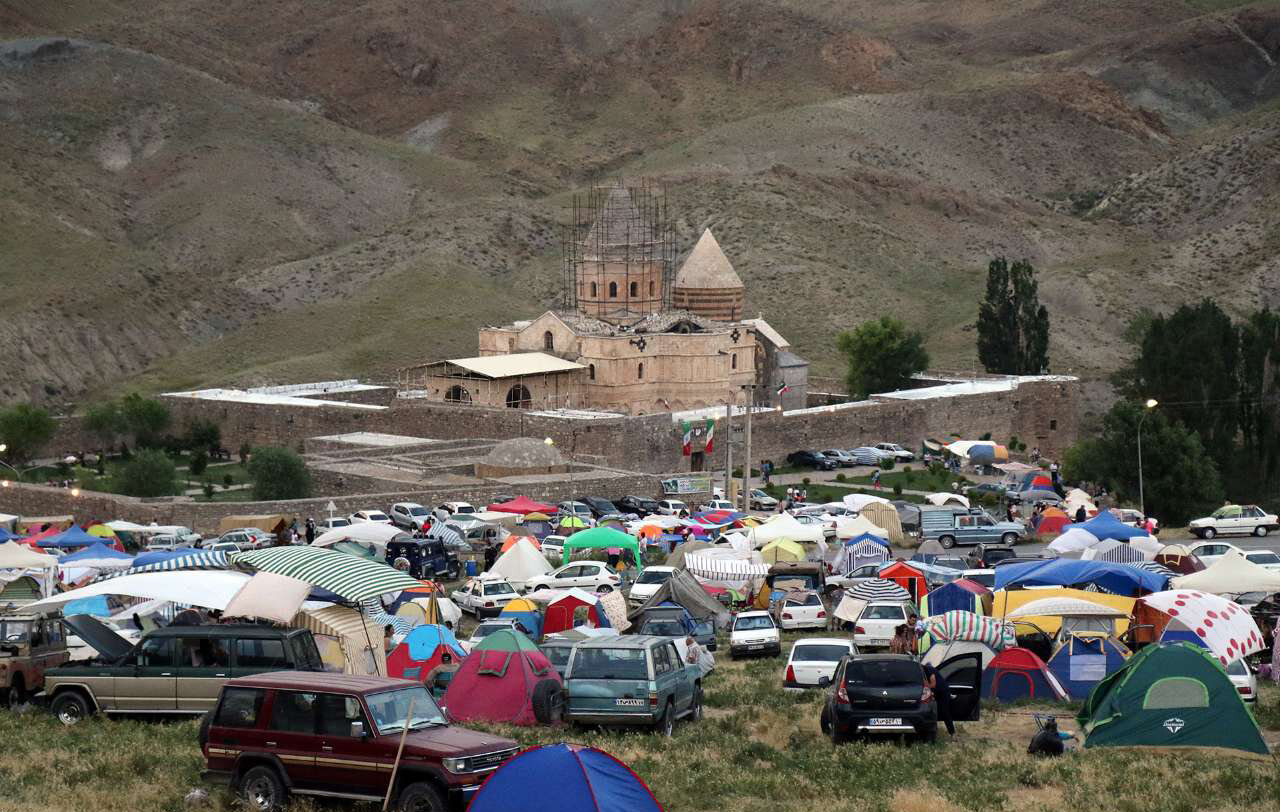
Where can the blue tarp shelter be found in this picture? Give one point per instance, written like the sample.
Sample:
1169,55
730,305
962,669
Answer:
96,606
961,594
1084,660
1118,579
98,552
1106,526
580,779
73,536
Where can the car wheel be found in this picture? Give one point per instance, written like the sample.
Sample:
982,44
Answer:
547,702
824,722
262,790
837,738
1009,539
1260,530
605,589
420,797
695,712
540,587
667,722
16,695
947,542
70,708
1208,533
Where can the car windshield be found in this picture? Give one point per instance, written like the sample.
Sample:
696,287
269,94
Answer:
818,653
486,629
883,613
418,510
1237,668
746,624
1264,558
663,628
610,663
883,672
465,509
704,628
391,710
653,577
804,600
498,589
558,655
987,579
15,631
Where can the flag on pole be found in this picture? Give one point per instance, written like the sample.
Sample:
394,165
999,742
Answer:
711,433
688,437
783,388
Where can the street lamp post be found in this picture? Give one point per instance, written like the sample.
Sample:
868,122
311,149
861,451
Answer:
1142,500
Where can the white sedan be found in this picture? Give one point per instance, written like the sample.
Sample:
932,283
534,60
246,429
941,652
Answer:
1235,520
593,576
899,453
484,597
813,659
1210,551
1267,559
375,516
804,611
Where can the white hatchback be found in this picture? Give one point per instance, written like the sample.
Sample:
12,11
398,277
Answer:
375,516
593,576
877,623
1244,680
754,633
804,611
813,658
1210,551
1267,559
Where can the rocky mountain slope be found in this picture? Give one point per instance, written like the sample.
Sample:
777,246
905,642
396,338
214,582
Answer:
201,192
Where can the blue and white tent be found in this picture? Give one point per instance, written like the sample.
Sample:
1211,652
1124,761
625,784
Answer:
1083,661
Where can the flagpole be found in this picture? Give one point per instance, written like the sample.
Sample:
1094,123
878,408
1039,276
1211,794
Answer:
746,459
728,451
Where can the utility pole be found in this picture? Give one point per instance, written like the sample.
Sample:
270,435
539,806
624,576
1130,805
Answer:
728,449
746,464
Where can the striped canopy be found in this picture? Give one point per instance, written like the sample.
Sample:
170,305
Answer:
444,533
194,560
961,625
373,609
1117,552
348,576
879,589
1157,568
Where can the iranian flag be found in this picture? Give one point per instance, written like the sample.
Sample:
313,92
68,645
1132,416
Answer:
711,434
688,437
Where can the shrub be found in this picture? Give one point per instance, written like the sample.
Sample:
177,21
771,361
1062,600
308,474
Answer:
805,481
886,465
149,473
840,477
737,473
278,473
199,462
897,490
25,429
906,469
203,435
145,418
228,481
986,436
244,453
208,489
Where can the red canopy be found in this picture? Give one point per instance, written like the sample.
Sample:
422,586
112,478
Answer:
522,505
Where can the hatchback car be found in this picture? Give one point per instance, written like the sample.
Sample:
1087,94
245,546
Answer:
593,576
762,501
812,459
375,516
484,629
813,659
1245,681
843,458
639,505
754,633
875,626
649,582
410,515
877,694
1210,551
672,507
1264,558
803,610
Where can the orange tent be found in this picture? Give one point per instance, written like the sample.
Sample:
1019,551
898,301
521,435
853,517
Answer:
512,539
649,531
907,577
1052,520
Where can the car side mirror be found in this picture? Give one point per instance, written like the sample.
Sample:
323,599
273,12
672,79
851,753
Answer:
823,682
357,730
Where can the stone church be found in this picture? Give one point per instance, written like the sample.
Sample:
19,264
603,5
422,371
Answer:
635,334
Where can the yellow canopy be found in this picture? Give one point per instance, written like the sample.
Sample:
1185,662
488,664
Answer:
520,605
782,550
1005,601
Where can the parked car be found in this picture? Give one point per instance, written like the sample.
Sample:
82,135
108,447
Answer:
598,506
580,510
593,576
632,680
29,646
818,519
802,610
221,546
557,650
1133,518
1210,551
658,620
874,694
870,455
801,574
672,507
843,458
855,576
985,489
176,670
246,538
951,562
1245,681
410,515
985,556
639,505
753,633
811,459
428,558
982,575
483,630
458,508
762,501
813,659
1264,558
338,736
553,548
185,536
484,597
716,504
375,516
1235,520
874,627
649,582
166,544
332,523
950,526
899,453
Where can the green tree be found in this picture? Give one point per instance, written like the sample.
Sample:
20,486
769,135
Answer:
278,473
145,418
105,422
24,430
882,355
1013,327
203,434
199,462
149,473
1260,397
1180,478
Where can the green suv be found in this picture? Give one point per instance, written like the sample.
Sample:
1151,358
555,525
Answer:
631,680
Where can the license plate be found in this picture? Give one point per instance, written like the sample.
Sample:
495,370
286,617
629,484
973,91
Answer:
884,722
755,646
629,703
880,641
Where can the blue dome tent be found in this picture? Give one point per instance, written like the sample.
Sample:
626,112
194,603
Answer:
1083,661
579,779
1106,526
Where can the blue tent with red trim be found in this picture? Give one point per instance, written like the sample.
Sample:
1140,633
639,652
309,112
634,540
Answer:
568,778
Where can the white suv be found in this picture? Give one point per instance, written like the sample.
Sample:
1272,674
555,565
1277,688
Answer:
1235,520
593,576
409,515
754,633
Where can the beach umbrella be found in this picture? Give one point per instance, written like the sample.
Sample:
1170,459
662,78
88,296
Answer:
879,589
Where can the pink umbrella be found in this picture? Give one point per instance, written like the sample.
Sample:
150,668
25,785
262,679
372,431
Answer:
1226,629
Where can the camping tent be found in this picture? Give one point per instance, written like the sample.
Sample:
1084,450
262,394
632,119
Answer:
847,528
937,654
781,550
1076,499
1179,559
928,550
884,514
364,532
942,499
981,452
1232,574
519,563
969,596
683,589
864,549
505,678
1051,522
69,538
1169,696
1118,579
1083,660
563,606
272,523
511,540
860,501
1017,673
422,650
602,538
96,556
209,589
580,779
353,578
1106,526
20,556
1117,552
348,641
1072,543
525,613
784,526
522,505
1007,603
907,577
1221,626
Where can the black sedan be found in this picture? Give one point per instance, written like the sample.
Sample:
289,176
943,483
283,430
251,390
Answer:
812,459
599,507
639,505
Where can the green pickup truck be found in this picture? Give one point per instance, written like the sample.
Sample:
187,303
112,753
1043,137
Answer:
632,680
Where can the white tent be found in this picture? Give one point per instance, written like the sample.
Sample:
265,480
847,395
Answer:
366,532
857,501
14,556
784,526
1077,499
212,589
847,528
941,499
519,563
270,596
130,527
1072,543
1232,574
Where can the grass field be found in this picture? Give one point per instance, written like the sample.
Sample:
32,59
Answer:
758,750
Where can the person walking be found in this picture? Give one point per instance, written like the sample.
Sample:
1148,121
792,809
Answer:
875,478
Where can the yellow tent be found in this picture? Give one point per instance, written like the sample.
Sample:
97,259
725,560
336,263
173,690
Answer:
1005,601
782,550
520,605
349,642
885,515
102,532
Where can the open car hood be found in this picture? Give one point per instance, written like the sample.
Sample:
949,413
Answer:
92,631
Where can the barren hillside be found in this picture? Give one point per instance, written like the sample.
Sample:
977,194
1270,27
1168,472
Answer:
203,192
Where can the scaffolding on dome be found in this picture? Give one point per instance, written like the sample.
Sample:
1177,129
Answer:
619,252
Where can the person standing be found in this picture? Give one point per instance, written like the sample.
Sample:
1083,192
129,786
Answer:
942,696
875,478
310,530
1082,515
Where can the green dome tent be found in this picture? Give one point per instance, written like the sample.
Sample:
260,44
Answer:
603,538
1169,696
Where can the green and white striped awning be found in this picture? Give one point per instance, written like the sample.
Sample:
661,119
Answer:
347,575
